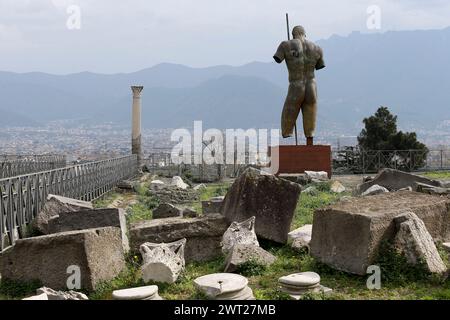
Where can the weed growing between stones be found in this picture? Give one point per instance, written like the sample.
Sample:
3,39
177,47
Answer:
251,268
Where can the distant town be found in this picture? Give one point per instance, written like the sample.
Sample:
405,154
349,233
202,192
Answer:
90,142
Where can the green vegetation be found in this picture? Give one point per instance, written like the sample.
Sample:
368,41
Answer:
444,175
308,204
106,200
17,289
380,133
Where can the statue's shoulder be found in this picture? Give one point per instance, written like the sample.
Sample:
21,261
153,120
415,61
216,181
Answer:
284,44
313,47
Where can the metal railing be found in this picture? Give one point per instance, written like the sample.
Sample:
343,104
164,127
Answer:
370,161
22,197
14,165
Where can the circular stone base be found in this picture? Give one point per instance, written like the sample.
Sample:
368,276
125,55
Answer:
139,293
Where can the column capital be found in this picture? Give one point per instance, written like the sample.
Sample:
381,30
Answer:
137,91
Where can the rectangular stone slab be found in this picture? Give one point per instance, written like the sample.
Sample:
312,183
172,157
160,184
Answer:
203,234
88,219
97,252
347,235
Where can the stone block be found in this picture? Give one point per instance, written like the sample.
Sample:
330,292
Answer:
89,219
166,210
347,235
203,235
98,254
270,199
54,206
414,241
212,205
244,253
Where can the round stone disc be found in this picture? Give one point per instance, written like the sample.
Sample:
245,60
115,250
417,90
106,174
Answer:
244,294
220,283
303,279
139,293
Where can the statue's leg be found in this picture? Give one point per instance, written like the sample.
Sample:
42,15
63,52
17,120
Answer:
295,96
309,110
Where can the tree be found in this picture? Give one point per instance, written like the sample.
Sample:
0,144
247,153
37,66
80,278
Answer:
380,133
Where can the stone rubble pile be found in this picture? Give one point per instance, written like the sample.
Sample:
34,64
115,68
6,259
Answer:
138,293
298,284
224,286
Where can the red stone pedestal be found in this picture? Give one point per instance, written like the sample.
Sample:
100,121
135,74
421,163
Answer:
298,159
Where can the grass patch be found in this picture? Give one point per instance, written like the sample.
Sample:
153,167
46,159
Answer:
17,289
438,175
307,204
106,200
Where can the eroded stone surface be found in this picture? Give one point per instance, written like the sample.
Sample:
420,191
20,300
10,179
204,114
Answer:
239,233
97,252
348,234
166,210
89,219
270,199
244,253
162,262
203,234
54,206
415,242
212,205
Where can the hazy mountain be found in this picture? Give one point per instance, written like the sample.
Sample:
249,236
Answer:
408,71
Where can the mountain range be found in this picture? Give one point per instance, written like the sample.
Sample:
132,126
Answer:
407,71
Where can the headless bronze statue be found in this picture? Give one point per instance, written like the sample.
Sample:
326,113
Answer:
302,57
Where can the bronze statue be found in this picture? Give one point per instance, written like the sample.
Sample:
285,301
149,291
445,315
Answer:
302,58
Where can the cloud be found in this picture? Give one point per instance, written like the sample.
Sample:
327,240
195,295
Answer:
118,36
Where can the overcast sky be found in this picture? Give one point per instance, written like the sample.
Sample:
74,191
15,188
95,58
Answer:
125,36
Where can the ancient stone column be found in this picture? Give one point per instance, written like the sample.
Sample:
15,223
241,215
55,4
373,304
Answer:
136,123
